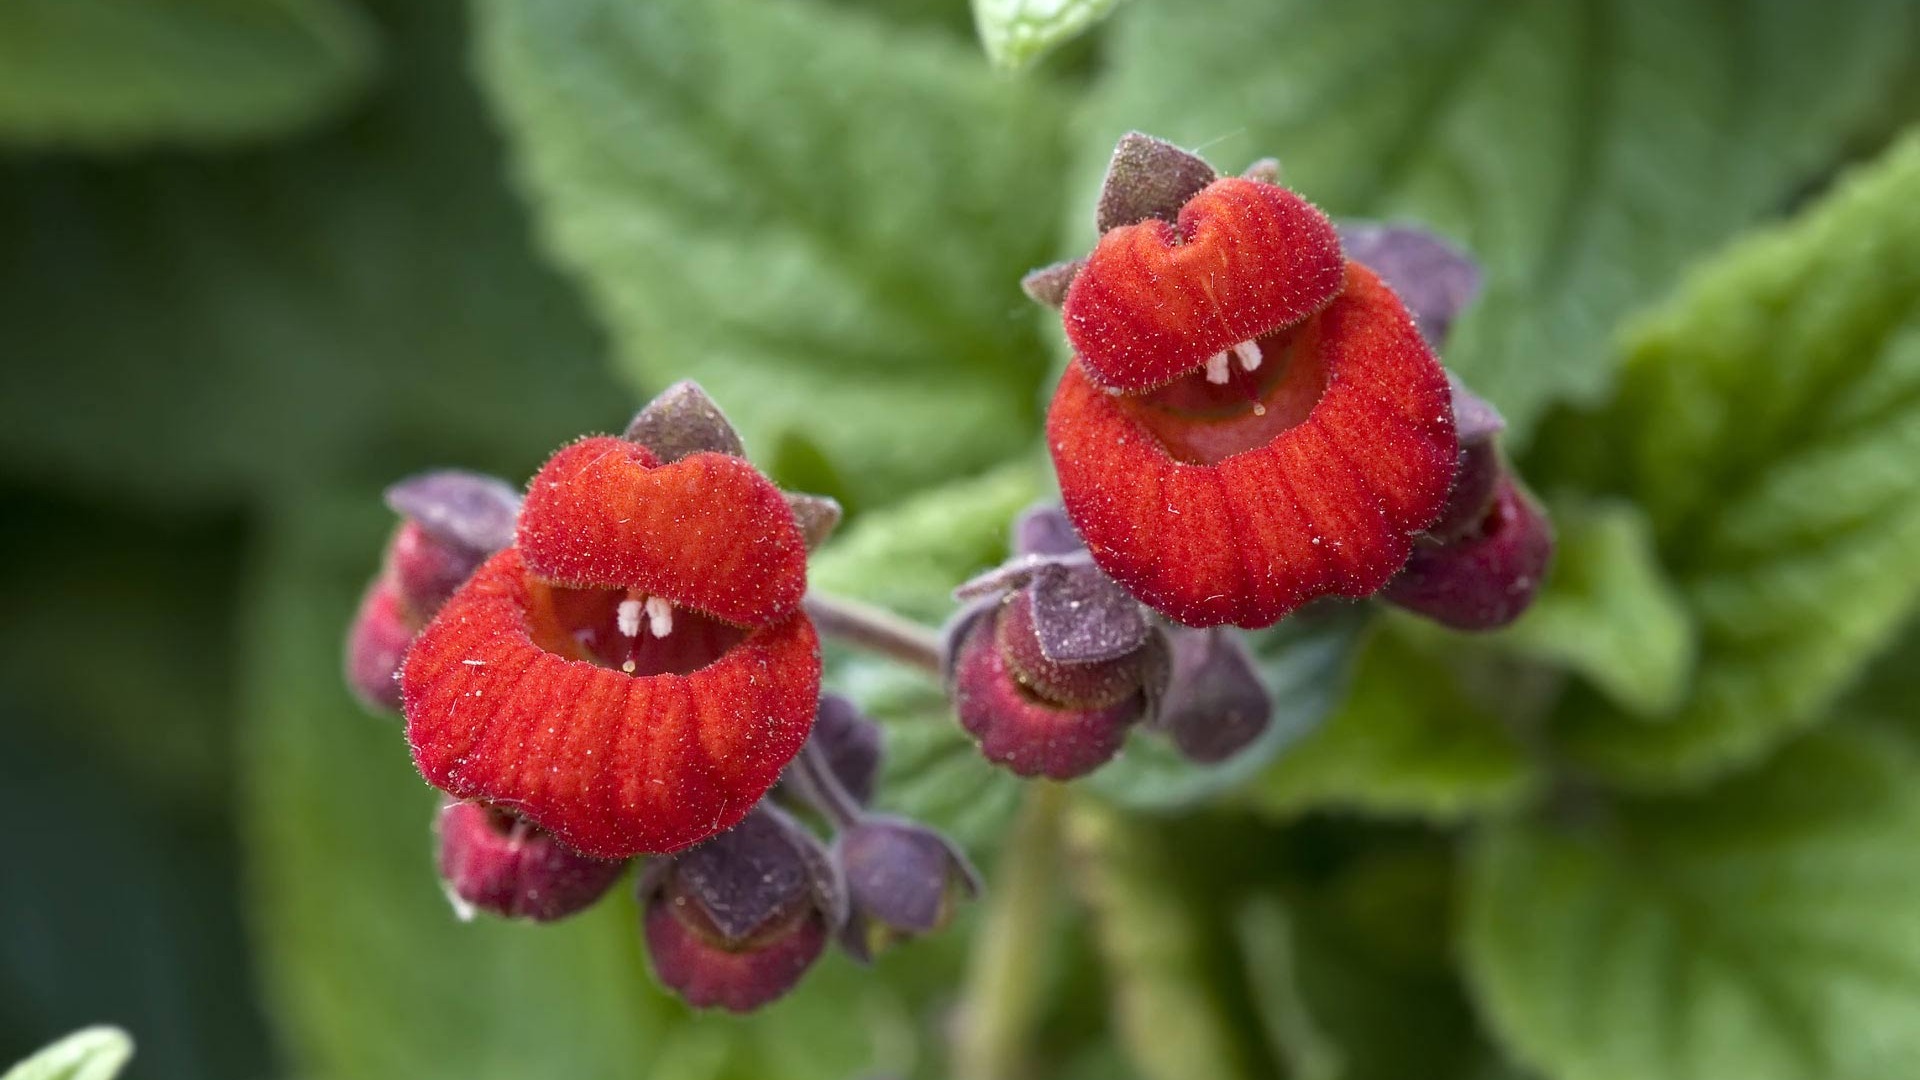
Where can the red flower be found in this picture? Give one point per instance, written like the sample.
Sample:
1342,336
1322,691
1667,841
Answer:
635,672
1298,465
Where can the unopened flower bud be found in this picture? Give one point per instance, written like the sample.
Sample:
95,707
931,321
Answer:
849,743
1434,279
735,922
904,881
1215,705
1478,424
1487,578
494,861
452,521
377,642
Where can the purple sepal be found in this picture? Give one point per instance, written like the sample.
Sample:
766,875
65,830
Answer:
1432,277
472,510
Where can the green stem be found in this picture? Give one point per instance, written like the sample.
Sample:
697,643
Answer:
1006,976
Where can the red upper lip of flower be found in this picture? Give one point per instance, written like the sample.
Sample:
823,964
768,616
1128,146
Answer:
1156,300
1213,512
614,764
706,532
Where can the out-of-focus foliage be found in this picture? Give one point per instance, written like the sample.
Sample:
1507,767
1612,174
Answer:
120,74
821,215
1015,33
96,1053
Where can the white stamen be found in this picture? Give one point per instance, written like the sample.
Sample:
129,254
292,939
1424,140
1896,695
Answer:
1217,368
628,616
1249,353
659,615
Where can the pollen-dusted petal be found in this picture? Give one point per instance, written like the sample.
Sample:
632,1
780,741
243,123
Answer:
1326,506
1157,300
612,764
707,532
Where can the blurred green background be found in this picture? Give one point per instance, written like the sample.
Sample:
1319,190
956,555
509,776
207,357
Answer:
258,258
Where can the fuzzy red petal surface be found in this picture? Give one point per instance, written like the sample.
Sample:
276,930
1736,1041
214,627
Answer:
376,643
708,532
1017,730
612,764
1156,300
708,975
1327,506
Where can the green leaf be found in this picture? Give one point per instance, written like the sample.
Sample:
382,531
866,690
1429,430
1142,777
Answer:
1768,930
95,1053
1769,422
371,975
822,215
1412,738
1018,32
114,74
1608,611
1584,153
1303,663
195,330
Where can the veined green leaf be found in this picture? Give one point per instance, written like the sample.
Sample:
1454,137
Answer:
1769,421
114,74
1767,930
820,214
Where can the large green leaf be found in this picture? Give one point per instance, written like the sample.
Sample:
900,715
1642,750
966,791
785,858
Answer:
121,73
821,214
1609,612
195,328
1584,152
95,1053
1413,737
1769,421
370,972
1769,930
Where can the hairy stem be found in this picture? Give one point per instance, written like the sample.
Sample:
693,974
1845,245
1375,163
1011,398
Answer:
1006,975
875,629
817,784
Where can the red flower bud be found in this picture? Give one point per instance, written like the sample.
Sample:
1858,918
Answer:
1157,300
376,644
497,862
1237,501
1487,578
735,922
426,569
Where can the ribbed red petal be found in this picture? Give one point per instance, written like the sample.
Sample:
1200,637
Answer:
1156,300
707,532
1327,506
614,765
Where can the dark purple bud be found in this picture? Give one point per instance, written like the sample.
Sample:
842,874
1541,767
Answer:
1014,725
818,516
465,509
849,743
376,643
1486,579
1433,278
1215,705
1044,529
1477,423
1266,170
904,881
1148,178
735,922
683,420
493,861
1048,285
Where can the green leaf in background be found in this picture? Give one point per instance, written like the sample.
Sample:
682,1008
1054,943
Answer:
1769,421
1304,663
1018,32
1767,930
1410,739
822,215
372,976
115,74
1584,153
188,330
95,1053
1608,611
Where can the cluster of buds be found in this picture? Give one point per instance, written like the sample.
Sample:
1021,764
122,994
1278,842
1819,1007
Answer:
618,667
1254,419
